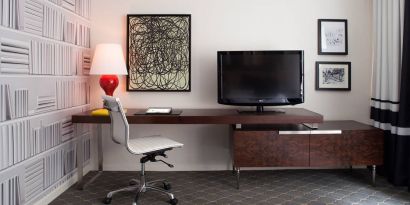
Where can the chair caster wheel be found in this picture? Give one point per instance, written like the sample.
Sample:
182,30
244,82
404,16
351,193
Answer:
107,200
166,186
133,183
173,201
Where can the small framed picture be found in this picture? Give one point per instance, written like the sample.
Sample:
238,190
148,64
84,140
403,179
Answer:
333,75
332,37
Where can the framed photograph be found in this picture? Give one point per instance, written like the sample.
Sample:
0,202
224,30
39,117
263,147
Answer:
333,76
159,52
332,37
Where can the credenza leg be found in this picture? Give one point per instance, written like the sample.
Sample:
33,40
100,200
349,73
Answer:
233,169
374,175
238,170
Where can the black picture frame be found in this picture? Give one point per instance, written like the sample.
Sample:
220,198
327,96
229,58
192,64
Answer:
324,80
187,47
335,38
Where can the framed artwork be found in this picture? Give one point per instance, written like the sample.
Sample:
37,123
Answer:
332,37
159,52
333,76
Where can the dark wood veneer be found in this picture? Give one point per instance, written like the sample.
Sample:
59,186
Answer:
268,148
345,125
365,147
328,150
262,146
210,116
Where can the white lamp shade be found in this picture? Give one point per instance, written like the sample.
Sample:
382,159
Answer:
108,60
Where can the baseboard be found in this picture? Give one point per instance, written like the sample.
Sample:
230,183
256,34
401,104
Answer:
61,189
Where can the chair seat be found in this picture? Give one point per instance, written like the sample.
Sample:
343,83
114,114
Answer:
143,145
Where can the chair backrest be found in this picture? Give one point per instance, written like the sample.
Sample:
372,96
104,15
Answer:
119,123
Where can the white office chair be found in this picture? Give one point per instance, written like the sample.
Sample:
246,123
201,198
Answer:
150,147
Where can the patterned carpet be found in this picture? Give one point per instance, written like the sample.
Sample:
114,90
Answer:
294,187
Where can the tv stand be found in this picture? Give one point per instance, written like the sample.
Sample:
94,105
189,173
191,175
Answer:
333,144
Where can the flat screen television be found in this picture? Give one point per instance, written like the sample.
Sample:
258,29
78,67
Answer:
260,78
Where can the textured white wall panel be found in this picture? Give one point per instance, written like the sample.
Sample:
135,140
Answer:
43,81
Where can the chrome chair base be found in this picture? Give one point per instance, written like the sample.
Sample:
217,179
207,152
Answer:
141,186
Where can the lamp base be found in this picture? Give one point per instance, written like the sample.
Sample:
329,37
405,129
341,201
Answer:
109,83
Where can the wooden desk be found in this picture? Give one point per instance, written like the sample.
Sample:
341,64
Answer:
210,116
192,116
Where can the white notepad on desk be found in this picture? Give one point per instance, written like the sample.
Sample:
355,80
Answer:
159,110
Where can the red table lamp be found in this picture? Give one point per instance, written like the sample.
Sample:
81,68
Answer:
108,62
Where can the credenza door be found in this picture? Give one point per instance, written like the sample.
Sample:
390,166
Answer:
366,147
270,149
328,149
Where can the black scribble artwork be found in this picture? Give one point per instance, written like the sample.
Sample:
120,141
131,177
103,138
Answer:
333,75
335,38
159,53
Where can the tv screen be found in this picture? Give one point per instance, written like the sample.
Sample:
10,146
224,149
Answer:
260,77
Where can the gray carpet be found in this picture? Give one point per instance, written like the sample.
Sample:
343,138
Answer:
257,187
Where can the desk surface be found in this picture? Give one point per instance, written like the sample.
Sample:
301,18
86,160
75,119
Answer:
210,116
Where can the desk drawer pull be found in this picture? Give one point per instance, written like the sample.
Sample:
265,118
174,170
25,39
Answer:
326,132
304,132
311,132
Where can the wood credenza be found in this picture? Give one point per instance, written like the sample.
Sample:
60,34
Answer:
333,144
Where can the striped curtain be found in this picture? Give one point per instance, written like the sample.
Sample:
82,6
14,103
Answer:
390,103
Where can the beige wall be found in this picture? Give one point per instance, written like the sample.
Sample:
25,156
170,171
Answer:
237,25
